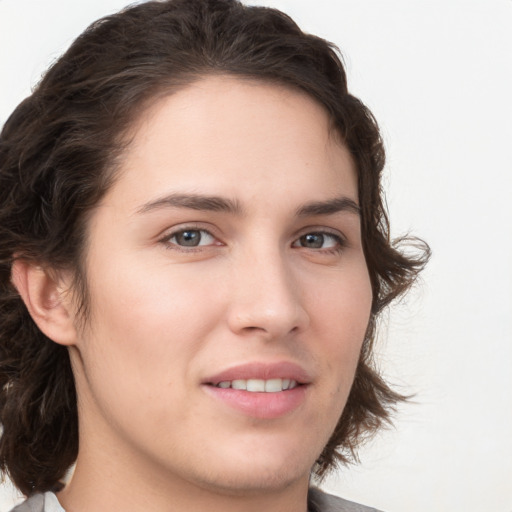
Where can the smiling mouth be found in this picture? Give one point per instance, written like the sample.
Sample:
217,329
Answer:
259,390
258,385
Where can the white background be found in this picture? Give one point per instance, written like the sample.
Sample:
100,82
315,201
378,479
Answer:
438,76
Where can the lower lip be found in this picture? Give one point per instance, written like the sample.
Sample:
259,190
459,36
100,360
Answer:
260,405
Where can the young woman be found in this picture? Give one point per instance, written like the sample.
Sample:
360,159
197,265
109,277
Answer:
193,254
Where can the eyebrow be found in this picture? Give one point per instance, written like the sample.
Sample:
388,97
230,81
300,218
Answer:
330,207
222,204
194,202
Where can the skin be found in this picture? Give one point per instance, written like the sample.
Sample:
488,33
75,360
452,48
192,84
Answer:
165,317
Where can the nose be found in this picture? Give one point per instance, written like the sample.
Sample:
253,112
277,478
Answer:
266,299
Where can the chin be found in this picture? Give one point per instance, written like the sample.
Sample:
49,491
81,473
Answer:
262,473
257,482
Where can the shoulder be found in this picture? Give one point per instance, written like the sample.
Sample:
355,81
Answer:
320,501
47,502
33,504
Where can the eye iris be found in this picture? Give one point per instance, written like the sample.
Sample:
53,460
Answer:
312,240
188,238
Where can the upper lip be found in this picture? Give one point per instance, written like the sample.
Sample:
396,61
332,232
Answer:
261,370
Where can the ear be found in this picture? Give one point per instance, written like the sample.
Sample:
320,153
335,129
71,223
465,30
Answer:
48,300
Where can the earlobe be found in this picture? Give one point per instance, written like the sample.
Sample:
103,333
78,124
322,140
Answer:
47,300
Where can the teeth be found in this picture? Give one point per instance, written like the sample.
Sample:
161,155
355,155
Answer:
256,385
273,385
259,385
239,384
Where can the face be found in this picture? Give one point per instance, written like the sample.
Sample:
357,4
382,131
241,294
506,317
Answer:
229,291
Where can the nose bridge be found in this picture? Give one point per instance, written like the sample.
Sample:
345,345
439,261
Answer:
267,295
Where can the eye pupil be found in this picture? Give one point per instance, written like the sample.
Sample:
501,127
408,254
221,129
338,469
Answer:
312,240
189,238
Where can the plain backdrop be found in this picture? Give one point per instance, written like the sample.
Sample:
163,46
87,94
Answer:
438,76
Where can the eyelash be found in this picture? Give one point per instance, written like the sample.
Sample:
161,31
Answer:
340,241
167,240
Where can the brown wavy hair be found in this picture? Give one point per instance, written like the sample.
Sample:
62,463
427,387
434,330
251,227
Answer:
58,154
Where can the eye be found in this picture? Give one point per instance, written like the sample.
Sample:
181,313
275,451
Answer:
190,238
320,240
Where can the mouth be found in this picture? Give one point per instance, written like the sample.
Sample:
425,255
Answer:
260,390
259,385
261,377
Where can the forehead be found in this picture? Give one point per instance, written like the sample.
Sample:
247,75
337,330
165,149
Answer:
231,136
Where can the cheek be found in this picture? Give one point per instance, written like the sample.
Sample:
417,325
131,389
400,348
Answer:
146,324
341,311
341,302
138,351
158,299
339,324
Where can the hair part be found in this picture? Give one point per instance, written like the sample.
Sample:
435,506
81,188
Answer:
60,152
